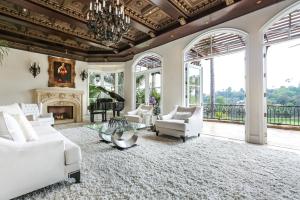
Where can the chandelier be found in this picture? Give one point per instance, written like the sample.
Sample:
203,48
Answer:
106,19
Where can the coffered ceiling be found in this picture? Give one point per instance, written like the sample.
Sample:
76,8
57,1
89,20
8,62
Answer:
58,27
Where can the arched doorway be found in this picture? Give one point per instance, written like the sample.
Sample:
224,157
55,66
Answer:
148,80
281,60
215,54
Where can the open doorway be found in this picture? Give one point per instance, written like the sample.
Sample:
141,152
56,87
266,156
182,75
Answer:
215,79
282,47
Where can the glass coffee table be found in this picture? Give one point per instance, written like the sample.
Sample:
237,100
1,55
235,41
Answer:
123,135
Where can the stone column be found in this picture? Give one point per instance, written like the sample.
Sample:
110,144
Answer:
255,126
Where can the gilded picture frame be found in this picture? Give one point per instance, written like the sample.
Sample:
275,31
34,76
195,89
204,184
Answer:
61,72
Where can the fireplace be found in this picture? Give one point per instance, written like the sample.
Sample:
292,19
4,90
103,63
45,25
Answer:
61,113
64,103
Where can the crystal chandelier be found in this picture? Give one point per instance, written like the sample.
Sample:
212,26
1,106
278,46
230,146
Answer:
107,20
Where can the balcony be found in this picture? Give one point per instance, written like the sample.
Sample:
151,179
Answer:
277,115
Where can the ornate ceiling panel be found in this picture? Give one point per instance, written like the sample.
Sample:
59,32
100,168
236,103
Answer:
59,26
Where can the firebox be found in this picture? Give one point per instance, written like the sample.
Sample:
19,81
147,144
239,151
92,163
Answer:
61,112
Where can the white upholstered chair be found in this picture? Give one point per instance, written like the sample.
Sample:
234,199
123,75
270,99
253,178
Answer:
34,114
142,114
182,122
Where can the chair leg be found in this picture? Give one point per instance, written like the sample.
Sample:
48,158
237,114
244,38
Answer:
183,138
76,176
198,134
157,132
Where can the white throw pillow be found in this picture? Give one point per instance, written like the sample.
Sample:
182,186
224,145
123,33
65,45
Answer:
182,115
13,109
26,127
10,129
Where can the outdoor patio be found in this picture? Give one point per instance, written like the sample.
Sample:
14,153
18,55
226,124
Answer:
276,137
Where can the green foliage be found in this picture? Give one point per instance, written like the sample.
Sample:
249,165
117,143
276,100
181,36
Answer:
288,96
227,96
220,100
3,50
139,80
140,96
219,115
156,95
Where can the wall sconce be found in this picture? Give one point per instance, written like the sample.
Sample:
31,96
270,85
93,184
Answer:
83,75
35,69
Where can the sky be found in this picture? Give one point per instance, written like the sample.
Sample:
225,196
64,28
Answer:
283,68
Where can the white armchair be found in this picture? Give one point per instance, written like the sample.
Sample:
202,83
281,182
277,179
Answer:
142,114
34,114
182,122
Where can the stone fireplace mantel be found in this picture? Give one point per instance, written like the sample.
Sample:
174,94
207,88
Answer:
60,97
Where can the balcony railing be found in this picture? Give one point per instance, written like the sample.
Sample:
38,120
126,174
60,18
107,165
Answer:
279,115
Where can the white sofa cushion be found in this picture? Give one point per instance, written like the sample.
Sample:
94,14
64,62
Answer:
26,127
10,129
182,115
171,124
12,109
29,133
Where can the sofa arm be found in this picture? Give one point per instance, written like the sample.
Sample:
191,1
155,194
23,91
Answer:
30,166
170,115
133,112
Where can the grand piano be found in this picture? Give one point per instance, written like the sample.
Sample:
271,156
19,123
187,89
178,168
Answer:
102,105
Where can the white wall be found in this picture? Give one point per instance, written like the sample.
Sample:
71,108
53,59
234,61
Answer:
172,54
16,81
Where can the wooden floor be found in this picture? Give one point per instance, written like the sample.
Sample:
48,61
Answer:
276,137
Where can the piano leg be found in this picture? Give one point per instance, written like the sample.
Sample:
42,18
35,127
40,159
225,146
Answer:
103,117
92,117
118,113
114,113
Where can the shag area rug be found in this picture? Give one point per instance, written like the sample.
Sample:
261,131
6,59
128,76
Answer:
165,168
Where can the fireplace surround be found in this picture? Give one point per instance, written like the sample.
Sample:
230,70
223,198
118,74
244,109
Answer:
65,103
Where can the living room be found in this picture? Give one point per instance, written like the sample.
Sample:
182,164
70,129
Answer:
85,115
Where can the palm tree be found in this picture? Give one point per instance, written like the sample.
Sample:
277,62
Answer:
3,50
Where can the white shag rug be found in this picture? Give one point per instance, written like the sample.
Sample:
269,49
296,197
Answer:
165,168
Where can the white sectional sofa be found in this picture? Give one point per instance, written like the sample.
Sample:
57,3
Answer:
31,165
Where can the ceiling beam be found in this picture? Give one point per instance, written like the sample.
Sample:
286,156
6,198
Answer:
46,30
169,8
51,13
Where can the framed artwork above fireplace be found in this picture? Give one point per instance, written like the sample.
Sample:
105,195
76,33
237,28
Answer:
61,72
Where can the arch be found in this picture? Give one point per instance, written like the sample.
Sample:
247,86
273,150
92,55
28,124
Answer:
135,63
204,35
279,15
213,31
140,57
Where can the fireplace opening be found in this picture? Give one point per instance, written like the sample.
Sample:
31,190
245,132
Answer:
61,112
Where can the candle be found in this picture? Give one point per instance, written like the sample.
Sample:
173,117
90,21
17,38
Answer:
109,8
118,2
91,5
103,3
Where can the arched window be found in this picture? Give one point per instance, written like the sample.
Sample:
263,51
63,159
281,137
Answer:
148,80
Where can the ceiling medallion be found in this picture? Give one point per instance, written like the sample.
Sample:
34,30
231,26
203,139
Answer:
107,20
